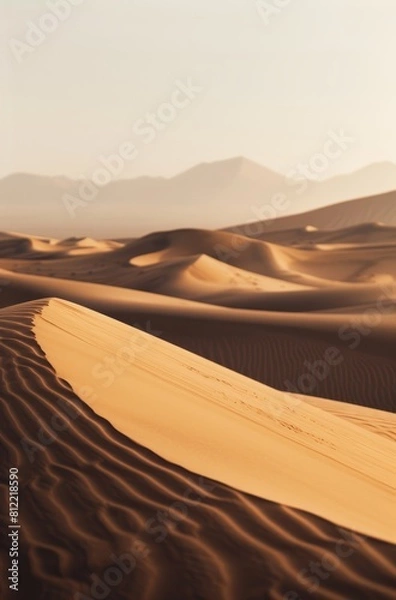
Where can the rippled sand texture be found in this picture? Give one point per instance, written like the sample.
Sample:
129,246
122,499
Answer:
92,492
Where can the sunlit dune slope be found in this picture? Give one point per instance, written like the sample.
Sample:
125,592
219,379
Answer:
179,405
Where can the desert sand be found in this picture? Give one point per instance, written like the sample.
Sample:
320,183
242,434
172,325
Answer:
377,421
94,498
216,407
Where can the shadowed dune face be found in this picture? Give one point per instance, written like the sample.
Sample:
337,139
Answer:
93,499
365,376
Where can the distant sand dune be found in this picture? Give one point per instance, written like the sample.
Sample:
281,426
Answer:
377,209
220,268
284,358
369,234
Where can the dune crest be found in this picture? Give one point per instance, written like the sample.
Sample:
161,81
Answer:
378,421
176,403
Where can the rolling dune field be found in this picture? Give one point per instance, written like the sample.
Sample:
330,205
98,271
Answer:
203,415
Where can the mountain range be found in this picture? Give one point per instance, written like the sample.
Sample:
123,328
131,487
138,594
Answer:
209,195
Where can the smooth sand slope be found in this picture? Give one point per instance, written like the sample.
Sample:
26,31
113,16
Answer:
92,495
374,209
312,460
369,234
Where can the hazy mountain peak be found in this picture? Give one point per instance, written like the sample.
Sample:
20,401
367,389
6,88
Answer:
249,168
228,169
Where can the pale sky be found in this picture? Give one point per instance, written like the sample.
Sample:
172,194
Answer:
269,91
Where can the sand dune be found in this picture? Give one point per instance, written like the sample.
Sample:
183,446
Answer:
314,266
198,399
373,209
40,248
373,234
93,495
